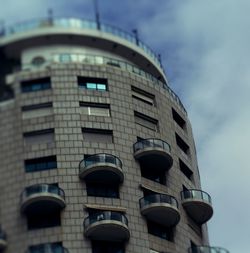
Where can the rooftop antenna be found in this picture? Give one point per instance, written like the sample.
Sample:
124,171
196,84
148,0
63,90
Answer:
135,32
2,30
50,16
97,15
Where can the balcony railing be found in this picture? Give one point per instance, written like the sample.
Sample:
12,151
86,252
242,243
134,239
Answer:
158,198
206,249
105,216
80,24
151,143
196,195
100,158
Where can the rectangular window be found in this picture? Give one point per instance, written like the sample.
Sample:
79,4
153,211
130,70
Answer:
36,85
39,164
146,121
90,83
143,95
185,170
160,231
97,135
107,247
95,109
37,110
182,144
40,136
152,174
178,119
55,247
102,190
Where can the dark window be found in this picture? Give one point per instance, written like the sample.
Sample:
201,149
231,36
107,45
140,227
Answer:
36,106
42,163
40,136
102,190
152,174
107,247
146,121
97,135
182,144
178,119
143,95
147,192
39,132
185,170
36,85
184,188
55,247
160,231
92,83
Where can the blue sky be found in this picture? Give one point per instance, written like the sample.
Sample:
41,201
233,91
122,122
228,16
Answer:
205,50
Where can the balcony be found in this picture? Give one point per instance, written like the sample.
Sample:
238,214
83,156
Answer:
47,248
107,226
42,198
3,240
153,153
198,205
103,168
160,208
206,249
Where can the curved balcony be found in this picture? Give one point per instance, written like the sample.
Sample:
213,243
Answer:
103,168
107,225
154,154
47,248
42,198
206,249
3,240
160,208
198,205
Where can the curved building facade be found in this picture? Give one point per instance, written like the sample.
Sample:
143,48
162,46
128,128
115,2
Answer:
97,152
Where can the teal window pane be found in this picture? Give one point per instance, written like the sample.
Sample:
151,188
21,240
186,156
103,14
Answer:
101,86
91,86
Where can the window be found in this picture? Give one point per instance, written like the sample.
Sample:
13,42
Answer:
185,170
36,85
143,95
182,144
55,247
152,174
107,247
160,231
92,83
40,136
37,110
178,119
97,135
38,164
146,121
102,190
95,109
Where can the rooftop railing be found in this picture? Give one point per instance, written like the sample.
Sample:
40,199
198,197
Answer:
196,194
75,23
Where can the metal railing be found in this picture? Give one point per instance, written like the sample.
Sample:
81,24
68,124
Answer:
41,188
196,194
80,24
105,215
154,143
207,249
158,198
99,158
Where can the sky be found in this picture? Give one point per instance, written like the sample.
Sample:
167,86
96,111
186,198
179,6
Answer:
205,50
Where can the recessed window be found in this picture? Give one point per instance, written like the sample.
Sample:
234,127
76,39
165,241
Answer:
185,170
146,121
182,144
178,119
36,85
40,136
97,135
152,174
160,231
95,109
102,190
143,95
37,110
89,83
107,247
55,247
42,163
